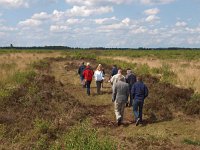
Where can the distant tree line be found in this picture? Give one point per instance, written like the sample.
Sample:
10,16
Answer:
11,47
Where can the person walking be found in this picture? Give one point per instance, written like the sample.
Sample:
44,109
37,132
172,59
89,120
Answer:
99,77
114,78
88,74
114,71
120,97
80,72
139,92
130,79
104,74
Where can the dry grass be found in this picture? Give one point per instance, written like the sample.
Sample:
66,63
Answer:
13,62
187,71
160,135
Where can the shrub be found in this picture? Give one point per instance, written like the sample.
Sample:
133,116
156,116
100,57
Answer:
143,69
191,142
41,125
193,105
86,138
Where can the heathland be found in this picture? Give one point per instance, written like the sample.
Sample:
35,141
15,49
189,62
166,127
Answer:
43,106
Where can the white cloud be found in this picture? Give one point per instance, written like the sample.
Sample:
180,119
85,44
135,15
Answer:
85,11
156,2
152,11
126,21
105,20
97,2
122,25
7,29
58,28
139,30
152,18
14,3
181,24
58,15
193,40
30,23
41,16
74,21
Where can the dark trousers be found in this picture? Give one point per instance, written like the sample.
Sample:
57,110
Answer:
98,83
88,87
131,97
137,109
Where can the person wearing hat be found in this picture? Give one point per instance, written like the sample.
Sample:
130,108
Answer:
88,74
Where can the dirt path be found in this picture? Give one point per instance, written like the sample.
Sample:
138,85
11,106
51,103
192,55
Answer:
101,105
166,134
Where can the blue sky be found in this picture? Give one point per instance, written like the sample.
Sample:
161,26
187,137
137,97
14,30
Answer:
100,23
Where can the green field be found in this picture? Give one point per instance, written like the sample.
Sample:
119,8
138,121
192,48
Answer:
43,106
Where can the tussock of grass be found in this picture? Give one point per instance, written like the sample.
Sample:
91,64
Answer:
85,137
191,142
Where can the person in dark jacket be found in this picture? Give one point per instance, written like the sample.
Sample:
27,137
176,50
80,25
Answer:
80,72
88,74
130,79
114,71
139,92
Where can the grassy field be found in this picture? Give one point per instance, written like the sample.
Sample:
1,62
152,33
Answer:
48,108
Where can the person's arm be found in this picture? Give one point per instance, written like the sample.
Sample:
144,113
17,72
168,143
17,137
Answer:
146,91
114,94
112,72
79,71
83,74
133,91
112,79
127,92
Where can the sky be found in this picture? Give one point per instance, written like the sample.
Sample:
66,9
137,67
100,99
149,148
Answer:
100,23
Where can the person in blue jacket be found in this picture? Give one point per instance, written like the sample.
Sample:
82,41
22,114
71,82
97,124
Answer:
114,71
139,92
80,72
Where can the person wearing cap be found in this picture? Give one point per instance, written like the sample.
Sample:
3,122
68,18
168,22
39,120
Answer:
99,77
130,79
80,72
120,98
139,92
88,74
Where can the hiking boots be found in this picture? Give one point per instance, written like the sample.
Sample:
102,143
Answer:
137,122
119,121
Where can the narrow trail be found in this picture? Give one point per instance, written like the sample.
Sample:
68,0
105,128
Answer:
166,134
102,111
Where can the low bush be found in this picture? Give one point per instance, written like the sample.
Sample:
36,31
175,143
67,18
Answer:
84,137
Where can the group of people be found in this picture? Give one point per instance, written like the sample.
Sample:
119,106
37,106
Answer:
123,88
86,74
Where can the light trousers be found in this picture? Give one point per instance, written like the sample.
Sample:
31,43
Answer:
119,110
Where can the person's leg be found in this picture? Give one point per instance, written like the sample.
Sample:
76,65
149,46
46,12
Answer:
135,109
122,110
83,81
131,98
117,112
98,83
88,87
140,109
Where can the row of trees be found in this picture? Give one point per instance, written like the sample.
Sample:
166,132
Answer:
91,48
